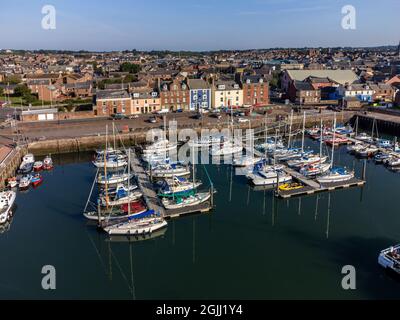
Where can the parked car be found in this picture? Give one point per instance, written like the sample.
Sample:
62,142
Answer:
241,120
197,116
118,116
152,120
134,116
216,115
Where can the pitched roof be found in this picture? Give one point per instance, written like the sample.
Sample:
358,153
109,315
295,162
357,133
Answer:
198,84
340,76
112,94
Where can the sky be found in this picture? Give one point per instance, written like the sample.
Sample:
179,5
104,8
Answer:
197,24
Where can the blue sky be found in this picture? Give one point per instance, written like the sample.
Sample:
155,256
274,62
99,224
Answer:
197,24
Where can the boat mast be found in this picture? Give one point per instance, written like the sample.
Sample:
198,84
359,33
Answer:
302,138
356,126
333,141
290,128
266,136
129,181
320,142
193,168
115,146
105,167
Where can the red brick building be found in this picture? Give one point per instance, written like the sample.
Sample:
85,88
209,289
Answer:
255,91
110,102
175,95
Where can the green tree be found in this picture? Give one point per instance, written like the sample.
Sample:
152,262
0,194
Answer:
12,80
22,90
130,67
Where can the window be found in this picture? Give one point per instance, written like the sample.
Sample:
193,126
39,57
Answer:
204,96
183,99
114,103
145,101
222,100
237,98
154,101
104,104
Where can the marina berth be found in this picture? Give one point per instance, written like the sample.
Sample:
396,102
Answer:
7,199
119,198
267,178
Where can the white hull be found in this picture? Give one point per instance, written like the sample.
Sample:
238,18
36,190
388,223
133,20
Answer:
132,197
269,178
114,179
7,199
190,201
110,164
330,178
226,151
143,226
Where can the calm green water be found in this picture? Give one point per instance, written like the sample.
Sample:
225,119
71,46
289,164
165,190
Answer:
250,246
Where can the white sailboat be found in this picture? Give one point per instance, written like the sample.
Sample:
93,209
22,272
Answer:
192,200
7,199
335,174
137,226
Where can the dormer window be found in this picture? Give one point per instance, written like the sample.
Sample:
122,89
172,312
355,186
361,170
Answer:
154,94
261,80
236,86
221,87
248,81
136,95
165,87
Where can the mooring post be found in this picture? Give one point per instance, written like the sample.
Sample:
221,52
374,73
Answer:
98,215
212,194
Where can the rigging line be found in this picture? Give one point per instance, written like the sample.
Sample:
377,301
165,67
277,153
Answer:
97,251
122,272
91,190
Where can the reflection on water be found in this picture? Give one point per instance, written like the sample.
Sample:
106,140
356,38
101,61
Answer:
252,245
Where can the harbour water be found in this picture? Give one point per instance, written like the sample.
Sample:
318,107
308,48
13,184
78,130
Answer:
251,246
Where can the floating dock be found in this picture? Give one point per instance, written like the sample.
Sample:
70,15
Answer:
312,186
152,200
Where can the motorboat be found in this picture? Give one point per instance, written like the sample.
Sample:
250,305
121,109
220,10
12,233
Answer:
364,137
12,182
181,202
381,157
393,161
355,147
290,186
337,174
265,178
390,258
27,163
7,199
368,151
383,143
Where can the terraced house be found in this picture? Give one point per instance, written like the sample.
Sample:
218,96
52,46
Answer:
227,94
145,102
200,94
255,91
174,95
109,102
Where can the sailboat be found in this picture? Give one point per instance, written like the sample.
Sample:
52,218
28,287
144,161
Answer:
7,199
137,226
181,202
169,170
336,174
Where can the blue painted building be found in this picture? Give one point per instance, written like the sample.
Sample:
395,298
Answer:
200,94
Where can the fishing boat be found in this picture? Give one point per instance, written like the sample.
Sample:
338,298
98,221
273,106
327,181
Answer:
12,182
119,198
315,169
36,180
181,202
113,178
27,163
390,258
245,161
290,186
48,163
38,166
137,226
7,199
265,178
169,171
177,186
24,182
306,160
